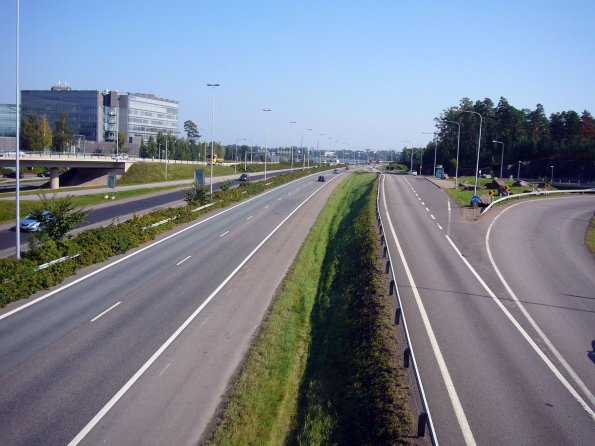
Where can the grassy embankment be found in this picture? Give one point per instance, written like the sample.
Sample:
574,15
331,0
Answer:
323,370
139,173
590,236
463,197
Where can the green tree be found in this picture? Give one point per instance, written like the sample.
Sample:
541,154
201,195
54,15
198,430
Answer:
46,133
196,195
191,130
31,134
122,143
61,217
63,134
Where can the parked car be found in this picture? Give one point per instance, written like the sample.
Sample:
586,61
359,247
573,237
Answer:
321,178
244,177
31,224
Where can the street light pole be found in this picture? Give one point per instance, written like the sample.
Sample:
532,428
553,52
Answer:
518,174
18,148
552,177
478,147
235,165
501,157
458,145
212,130
266,137
435,148
291,127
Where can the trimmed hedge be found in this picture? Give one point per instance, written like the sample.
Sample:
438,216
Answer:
20,279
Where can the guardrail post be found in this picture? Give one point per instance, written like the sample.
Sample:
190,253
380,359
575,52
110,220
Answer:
384,253
387,266
406,356
381,240
398,316
380,230
391,287
421,424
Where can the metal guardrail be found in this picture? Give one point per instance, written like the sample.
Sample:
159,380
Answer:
536,193
424,417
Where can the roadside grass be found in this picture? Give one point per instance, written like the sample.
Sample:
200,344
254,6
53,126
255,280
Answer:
323,370
590,236
8,211
140,173
463,197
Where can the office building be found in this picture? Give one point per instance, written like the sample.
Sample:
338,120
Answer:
8,120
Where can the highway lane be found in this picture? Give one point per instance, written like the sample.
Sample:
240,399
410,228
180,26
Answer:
555,289
485,382
63,358
105,213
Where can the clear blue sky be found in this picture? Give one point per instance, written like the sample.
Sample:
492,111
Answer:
367,73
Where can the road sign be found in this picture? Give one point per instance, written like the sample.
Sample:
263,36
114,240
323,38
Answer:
199,177
475,199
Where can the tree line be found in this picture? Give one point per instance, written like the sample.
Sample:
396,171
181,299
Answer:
37,134
527,136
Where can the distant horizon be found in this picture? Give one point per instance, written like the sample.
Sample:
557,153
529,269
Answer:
363,76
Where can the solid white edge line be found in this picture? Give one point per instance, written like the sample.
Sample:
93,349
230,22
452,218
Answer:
531,321
109,309
523,333
182,261
450,388
126,257
105,409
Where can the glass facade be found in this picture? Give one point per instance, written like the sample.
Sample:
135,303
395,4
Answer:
8,120
81,107
149,115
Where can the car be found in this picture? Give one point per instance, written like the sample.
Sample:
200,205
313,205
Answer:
413,172
13,174
336,171
346,167
11,154
45,174
120,156
31,224
244,177
321,178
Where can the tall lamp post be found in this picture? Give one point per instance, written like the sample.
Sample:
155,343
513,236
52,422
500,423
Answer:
552,177
501,157
291,126
478,147
435,148
18,148
235,165
458,145
266,137
212,130
411,167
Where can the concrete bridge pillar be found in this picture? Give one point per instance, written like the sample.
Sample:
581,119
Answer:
54,178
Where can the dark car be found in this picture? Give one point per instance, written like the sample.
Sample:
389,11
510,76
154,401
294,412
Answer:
244,177
43,174
321,178
13,175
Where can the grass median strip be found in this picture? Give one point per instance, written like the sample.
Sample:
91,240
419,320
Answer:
323,370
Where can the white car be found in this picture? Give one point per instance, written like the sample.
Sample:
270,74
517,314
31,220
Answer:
120,156
413,172
30,224
11,154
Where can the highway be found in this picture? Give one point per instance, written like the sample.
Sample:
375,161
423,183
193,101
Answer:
502,328
103,214
141,349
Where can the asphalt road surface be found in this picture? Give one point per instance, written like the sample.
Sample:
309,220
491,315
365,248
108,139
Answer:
503,331
103,214
141,349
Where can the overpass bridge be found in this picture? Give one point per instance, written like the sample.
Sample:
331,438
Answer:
54,161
